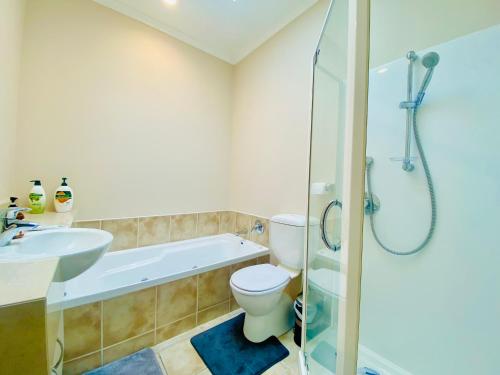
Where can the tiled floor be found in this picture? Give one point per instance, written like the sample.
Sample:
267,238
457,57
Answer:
178,356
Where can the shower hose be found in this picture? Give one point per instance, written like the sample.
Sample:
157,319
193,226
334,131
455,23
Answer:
430,187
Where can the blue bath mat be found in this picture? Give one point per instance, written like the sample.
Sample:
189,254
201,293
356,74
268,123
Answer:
141,363
226,351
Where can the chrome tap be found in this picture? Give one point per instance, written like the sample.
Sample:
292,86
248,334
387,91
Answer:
11,227
258,228
11,218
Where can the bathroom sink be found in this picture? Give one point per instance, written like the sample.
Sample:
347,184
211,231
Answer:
77,249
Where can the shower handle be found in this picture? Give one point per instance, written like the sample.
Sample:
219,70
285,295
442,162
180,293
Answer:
322,224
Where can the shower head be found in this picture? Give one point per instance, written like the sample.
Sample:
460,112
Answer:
429,61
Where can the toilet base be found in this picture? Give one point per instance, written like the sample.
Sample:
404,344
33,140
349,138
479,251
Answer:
275,323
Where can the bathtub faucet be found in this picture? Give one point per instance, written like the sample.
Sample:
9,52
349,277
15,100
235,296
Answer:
258,228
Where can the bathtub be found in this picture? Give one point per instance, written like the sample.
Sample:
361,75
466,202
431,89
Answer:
121,272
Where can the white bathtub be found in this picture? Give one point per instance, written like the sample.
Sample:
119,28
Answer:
122,272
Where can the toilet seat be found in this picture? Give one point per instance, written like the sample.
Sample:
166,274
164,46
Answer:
259,279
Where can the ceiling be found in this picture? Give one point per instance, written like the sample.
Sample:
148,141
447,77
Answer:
227,29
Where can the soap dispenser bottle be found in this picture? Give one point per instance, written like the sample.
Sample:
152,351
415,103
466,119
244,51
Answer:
13,203
63,198
37,198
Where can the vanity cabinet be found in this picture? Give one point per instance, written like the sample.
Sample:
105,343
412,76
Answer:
31,326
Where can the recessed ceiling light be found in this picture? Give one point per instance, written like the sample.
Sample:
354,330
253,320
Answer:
170,2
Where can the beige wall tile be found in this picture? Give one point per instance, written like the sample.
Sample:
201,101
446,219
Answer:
279,369
213,312
213,287
128,347
243,225
182,227
182,359
227,222
80,365
264,259
233,305
262,239
154,230
294,287
208,224
128,316
82,330
176,300
246,263
176,328
95,224
124,232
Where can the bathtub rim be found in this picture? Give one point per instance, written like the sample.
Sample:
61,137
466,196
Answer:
131,288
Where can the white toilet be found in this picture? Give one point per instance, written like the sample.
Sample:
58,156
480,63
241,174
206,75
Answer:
259,289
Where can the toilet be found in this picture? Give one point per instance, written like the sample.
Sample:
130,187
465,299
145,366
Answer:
259,289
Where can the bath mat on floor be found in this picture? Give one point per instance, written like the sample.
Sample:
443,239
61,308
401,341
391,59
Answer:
141,363
226,351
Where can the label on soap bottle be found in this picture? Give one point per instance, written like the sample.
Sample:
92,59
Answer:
63,196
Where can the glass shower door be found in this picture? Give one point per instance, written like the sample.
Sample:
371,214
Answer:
325,284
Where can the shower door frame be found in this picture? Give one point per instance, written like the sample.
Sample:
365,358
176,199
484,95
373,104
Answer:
353,188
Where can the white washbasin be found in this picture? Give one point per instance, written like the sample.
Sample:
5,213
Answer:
77,249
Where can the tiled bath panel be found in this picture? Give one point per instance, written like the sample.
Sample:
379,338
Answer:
101,332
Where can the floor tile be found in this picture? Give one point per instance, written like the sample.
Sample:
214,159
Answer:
182,359
179,357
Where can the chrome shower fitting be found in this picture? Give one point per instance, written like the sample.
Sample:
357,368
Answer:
407,164
429,61
371,202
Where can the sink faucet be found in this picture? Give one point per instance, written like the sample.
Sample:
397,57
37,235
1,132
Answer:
11,227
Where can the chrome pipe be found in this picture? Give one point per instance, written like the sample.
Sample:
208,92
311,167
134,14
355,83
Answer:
407,164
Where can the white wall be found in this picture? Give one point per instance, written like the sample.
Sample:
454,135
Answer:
271,120
11,28
437,312
398,24
138,121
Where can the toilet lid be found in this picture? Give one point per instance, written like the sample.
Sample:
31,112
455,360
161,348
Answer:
259,278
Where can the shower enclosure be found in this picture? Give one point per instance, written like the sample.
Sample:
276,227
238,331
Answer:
336,192
325,282
404,191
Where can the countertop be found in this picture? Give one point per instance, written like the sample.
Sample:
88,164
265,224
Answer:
26,281
51,218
